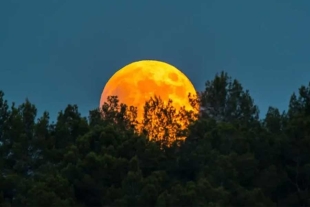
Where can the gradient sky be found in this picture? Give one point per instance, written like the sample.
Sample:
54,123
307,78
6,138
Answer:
64,51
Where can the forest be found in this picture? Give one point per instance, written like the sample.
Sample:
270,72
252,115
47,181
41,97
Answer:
230,157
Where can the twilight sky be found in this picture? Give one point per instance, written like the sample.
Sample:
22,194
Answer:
58,52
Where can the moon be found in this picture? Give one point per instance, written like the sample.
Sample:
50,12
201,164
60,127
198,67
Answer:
137,82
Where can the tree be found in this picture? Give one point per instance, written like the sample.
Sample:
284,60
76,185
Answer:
119,114
296,148
164,123
225,100
228,157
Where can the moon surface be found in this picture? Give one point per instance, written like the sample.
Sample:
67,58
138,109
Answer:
137,82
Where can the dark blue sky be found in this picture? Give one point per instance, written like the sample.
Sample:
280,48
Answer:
63,51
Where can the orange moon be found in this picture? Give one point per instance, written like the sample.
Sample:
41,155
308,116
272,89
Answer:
137,82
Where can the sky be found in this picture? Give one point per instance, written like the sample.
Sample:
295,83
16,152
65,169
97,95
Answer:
62,52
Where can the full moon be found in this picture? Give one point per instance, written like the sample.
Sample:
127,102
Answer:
137,82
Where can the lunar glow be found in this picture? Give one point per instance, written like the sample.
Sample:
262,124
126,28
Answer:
137,82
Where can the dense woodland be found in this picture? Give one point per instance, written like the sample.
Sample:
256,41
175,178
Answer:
230,156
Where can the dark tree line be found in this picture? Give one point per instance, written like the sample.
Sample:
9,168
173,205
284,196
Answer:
229,158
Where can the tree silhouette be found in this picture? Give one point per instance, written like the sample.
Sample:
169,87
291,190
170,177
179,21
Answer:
222,156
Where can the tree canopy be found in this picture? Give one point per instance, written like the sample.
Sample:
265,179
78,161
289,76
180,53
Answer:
230,157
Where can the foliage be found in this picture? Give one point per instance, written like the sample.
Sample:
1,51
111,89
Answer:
229,156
